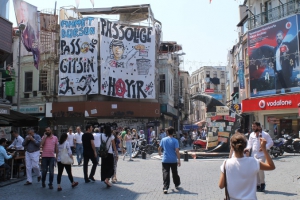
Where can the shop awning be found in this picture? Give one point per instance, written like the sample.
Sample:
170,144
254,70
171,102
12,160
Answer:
18,119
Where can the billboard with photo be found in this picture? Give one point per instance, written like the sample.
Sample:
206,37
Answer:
27,14
127,56
273,52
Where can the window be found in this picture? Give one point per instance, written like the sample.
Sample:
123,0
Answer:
162,83
28,81
208,73
215,74
43,80
171,86
222,74
222,86
215,87
207,85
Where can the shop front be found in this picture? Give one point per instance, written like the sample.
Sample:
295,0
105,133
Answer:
169,116
278,114
63,115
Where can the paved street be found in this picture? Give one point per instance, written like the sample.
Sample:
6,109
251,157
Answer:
142,179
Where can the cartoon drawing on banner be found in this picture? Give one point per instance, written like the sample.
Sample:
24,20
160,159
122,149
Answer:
66,82
127,60
117,57
78,70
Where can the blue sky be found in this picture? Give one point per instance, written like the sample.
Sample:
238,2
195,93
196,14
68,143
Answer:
205,31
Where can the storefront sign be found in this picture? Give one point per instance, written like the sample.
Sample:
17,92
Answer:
30,109
222,110
271,103
209,90
4,111
10,88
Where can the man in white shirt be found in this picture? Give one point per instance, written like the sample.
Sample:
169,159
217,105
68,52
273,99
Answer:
97,142
78,145
152,135
254,144
17,142
71,139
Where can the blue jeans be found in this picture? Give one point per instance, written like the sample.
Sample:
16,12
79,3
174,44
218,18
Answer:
48,163
129,148
97,150
79,152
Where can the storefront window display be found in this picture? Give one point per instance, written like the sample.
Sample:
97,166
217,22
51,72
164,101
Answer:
279,125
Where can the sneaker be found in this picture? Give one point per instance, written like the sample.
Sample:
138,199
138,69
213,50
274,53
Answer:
177,187
262,187
258,188
165,191
92,178
43,185
87,181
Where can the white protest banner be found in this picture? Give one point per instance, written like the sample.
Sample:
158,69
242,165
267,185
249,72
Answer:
127,60
222,110
78,74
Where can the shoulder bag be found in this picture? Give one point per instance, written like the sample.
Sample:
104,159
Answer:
225,183
64,156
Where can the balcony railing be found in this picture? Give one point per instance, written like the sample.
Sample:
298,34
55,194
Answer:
274,14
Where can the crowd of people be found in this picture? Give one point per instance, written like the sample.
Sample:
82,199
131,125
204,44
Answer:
242,174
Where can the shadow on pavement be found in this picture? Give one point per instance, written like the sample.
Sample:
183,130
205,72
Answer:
182,191
281,193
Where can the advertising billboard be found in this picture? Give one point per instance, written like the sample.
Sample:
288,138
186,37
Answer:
6,35
27,15
127,60
274,58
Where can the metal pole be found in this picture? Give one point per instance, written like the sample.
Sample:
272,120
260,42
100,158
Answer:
19,69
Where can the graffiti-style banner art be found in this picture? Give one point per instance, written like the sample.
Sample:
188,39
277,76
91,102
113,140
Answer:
127,60
78,74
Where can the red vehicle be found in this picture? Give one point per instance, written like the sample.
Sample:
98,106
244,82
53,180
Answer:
199,144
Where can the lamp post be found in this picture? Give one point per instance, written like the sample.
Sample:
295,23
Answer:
21,28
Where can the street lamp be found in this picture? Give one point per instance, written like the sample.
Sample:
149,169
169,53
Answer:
19,33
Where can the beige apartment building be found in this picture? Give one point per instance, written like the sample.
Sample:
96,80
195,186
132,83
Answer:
208,80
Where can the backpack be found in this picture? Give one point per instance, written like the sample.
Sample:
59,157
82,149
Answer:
103,151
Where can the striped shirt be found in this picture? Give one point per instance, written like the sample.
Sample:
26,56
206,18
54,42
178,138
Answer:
49,146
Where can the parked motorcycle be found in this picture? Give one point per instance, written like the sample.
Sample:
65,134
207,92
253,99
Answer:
291,145
138,145
278,148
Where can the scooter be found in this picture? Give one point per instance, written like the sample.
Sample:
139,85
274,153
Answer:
138,145
278,148
291,145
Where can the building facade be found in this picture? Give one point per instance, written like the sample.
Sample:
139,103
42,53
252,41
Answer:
210,80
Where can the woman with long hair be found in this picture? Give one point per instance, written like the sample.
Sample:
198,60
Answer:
63,143
107,164
116,158
240,171
128,139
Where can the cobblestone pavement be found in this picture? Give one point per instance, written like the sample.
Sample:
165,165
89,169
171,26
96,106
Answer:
142,179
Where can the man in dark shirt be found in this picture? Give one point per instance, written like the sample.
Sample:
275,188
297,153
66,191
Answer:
89,153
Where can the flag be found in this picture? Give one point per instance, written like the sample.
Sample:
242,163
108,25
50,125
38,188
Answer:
93,3
77,3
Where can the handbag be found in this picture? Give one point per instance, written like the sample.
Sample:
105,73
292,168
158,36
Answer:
64,156
225,184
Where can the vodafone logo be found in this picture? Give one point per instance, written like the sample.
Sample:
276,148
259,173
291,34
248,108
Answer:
262,104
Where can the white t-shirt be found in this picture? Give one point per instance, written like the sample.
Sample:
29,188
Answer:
108,144
153,135
97,139
61,147
71,139
241,175
78,137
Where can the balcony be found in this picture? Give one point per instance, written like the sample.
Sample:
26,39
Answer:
274,14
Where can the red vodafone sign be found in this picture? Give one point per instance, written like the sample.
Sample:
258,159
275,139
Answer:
271,103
